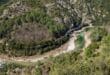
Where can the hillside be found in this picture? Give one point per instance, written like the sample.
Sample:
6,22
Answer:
25,26
54,37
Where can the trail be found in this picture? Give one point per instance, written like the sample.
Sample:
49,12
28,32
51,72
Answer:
87,39
67,47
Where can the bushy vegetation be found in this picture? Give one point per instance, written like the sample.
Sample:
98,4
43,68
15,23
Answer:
38,16
101,12
33,16
105,45
95,62
57,30
37,13
11,68
97,34
91,49
19,49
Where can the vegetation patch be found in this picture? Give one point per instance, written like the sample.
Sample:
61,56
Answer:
80,41
35,27
3,2
10,68
98,33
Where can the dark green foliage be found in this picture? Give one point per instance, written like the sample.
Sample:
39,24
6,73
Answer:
74,64
5,27
106,45
98,33
14,68
34,3
38,71
3,2
96,62
80,41
20,49
90,50
37,16
33,16
2,48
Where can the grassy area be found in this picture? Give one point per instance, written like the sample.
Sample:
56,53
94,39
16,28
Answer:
95,61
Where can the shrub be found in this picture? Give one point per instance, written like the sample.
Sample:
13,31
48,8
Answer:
80,41
90,50
98,33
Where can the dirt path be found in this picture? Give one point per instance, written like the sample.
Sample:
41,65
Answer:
71,44
87,39
67,47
